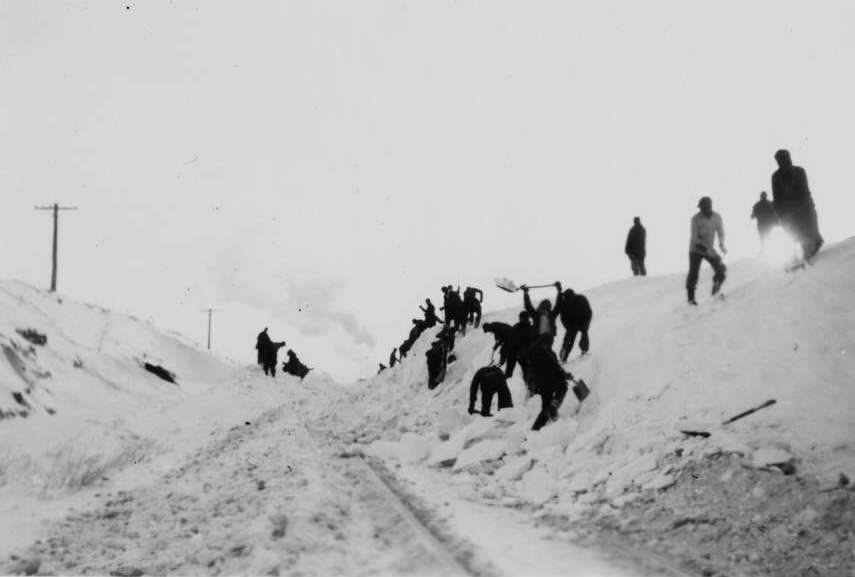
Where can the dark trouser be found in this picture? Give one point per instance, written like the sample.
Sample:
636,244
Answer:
460,321
695,267
544,340
474,314
805,227
570,340
637,265
270,368
550,398
487,392
511,356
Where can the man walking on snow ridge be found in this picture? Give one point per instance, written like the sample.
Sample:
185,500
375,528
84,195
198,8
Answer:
794,204
705,225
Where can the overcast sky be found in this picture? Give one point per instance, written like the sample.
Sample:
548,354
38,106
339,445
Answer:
322,167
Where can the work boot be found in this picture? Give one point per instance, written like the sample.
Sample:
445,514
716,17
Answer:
716,286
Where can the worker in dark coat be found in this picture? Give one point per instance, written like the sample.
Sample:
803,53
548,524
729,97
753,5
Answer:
262,341
294,367
430,314
636,247
764,211
576,317
544,316
545,377
491,381
502,335
271,351
437,362
472,299
455,313
523,336
794,204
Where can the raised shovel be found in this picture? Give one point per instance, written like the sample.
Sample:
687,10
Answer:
510,286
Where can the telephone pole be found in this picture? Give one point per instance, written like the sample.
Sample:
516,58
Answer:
210,312
55,208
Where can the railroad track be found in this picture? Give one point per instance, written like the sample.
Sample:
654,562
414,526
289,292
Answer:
429,540
448,563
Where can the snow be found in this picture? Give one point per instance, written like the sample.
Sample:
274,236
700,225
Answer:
658,366
86,429
91,413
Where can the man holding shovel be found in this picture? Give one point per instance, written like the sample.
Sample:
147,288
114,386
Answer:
544,316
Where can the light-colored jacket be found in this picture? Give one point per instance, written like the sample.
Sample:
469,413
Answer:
702,239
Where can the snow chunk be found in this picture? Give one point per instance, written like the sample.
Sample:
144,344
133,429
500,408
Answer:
512,415
659,482
413,448
478,429
538,486
514,438
514,469
383,450
489,450
449,421
727,442
770,456
581,481
558,433
446,451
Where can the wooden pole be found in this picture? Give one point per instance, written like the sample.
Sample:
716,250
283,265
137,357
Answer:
55,247
55,256
210,312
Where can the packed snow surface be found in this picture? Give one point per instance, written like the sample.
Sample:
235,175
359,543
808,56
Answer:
229,471
657,367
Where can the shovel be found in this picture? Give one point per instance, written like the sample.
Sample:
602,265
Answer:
580,388
741,415
510,286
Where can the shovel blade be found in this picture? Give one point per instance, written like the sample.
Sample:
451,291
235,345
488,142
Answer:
506,284
581,390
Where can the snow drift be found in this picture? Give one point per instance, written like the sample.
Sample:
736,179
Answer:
658,366
78,407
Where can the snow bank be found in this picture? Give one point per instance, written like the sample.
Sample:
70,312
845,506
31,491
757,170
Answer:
78,410
658,367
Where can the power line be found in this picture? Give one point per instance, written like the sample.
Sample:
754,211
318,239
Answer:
55,208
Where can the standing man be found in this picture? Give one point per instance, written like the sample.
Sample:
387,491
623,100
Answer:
270,355
705,225
766,216
523,336
262,342
794,204
472,299
636,247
